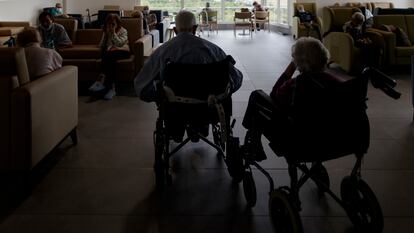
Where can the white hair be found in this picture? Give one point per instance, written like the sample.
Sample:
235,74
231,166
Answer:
358,16
310,55
185,20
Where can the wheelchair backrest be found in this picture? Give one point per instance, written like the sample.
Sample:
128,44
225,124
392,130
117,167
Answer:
197,81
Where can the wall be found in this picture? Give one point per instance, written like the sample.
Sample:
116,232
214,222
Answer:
22,10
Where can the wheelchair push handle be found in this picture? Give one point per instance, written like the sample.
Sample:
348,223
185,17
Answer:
382,81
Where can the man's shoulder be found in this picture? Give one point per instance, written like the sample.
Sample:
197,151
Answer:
59,27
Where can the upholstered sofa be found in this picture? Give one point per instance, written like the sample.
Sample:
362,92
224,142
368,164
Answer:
86,54
341,44
8,29
395,54
35,115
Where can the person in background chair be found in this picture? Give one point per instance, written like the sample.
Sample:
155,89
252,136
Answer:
371,50
53,35
307,19
257,7
310,58
40,61
57,11
184,48
114,46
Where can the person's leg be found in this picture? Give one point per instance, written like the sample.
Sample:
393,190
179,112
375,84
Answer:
256,119
109,66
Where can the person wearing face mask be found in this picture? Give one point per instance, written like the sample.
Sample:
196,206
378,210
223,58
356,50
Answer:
114,46
57,11
53,35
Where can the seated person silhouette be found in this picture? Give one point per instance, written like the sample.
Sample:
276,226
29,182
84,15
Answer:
184,48
371,50
307,19
53,35
310,58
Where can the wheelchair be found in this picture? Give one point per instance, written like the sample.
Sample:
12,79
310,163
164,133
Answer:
341,129
190,98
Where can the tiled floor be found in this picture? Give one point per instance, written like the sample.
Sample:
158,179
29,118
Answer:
106,183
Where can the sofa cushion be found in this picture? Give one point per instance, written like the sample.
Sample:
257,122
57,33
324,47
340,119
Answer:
10,31
81,52
404,51
396,20
402,37
84,65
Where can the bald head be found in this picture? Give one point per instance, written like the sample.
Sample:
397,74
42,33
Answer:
185,22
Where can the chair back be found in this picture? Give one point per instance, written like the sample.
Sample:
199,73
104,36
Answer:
326,122
70,25
334,18
134,26
242,15
197,81
386,5
112,7
140,8
261,15
308,6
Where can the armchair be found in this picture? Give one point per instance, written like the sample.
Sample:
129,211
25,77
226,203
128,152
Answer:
300,30
341,44
36,115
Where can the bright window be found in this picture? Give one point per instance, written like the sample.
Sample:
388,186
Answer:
225,8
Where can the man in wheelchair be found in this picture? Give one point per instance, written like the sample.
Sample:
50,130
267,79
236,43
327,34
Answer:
184,48
191,80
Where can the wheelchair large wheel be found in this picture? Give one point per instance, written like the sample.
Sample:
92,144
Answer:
234,159
362,205
322,174
283,214
249,188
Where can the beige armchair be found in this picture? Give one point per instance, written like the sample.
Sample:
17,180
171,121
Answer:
298,29
341,44
35,115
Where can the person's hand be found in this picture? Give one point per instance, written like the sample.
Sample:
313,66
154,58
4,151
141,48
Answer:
290,69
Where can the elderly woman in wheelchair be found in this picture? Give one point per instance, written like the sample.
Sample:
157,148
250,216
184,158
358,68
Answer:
317,116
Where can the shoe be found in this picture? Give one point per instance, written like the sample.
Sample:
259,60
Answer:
110,94
97,86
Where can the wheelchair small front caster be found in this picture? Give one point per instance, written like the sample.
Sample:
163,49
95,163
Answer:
283,213
362,205
249,188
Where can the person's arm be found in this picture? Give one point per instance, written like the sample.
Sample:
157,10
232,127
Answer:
283,79
56,60
144,82
62,40
121,38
